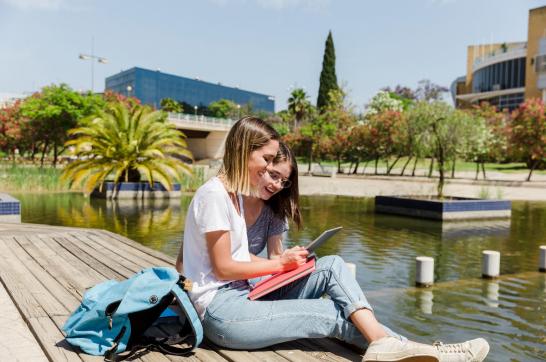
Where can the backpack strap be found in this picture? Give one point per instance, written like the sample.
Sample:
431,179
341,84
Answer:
191,315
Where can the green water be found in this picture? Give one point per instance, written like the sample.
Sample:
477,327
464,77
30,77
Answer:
509,312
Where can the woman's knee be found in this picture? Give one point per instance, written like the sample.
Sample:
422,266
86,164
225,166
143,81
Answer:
331,261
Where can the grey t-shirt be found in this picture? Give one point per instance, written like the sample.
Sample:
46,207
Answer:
267,225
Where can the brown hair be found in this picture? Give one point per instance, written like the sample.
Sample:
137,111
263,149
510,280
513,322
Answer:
285,204
247,134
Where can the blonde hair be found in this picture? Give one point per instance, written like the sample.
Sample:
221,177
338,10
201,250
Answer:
247,134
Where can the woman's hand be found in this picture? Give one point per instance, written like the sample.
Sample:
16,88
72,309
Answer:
293,258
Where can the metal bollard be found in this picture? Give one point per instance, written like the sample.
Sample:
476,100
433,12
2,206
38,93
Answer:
542,259
352,269
424,271
490,264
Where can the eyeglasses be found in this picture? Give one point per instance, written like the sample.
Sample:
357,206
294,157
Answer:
285,183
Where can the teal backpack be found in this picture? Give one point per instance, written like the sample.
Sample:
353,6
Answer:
150,310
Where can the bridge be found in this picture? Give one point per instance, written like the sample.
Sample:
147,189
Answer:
206,136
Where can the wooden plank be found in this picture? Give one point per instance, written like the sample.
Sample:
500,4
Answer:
206,352
67,297
16,341
68,269
329,350
135,255
24,282
117,256
254,356
154,253
96,260
43,262
294,353
52,340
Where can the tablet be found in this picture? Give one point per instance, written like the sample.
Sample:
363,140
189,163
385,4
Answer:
321,239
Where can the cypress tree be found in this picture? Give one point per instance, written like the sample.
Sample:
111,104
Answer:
328,79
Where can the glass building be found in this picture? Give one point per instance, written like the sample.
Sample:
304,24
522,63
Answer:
506,74
150,87
497,75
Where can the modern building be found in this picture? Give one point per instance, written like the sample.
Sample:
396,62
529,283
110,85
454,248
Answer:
505,74
150,87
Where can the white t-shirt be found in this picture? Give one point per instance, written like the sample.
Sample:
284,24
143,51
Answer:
211,209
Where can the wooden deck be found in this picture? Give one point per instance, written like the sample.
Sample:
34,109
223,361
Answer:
44,271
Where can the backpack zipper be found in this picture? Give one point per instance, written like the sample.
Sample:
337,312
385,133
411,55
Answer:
109,312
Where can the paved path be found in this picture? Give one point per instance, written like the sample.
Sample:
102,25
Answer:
512,188
45,271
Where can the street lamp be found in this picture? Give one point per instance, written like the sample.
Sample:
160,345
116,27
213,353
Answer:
195,110
129,89
92,57
238,111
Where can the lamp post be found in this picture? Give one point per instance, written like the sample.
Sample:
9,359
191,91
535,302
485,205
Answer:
92,57
238,111
195,110
129,89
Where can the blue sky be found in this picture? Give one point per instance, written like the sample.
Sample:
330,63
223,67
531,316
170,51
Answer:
267,46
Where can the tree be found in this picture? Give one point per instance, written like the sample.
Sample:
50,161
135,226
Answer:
298,106
401,92
491,142
444,131
55,110
11,136
528,133
382,102
339,115
126,144
224,108
113,97
328,79
170,105
428,91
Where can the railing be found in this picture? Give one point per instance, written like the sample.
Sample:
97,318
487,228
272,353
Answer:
498,56
201,120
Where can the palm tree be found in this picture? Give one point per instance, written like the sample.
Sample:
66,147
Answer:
118,143
298,105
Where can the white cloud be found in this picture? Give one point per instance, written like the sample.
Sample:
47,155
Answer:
33,4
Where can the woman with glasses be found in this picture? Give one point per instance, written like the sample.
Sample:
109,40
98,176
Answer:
268,214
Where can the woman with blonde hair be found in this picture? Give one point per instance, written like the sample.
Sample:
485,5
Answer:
216,258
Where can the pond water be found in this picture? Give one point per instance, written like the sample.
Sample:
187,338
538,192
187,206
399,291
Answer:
510,312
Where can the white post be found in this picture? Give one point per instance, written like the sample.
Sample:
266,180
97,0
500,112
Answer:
542,260
490,264
352,269
424,271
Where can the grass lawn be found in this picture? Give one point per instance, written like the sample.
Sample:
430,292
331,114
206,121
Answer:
33,178
424,164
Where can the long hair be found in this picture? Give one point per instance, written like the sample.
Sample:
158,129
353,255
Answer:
247,134
286,204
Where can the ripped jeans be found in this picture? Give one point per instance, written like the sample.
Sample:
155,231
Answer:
294,311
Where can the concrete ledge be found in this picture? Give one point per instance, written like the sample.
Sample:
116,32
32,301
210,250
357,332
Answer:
136,190
10,209
449,209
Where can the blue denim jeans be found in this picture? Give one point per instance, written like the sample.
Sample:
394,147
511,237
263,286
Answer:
291,312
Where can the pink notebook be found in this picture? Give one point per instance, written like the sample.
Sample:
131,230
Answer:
279,280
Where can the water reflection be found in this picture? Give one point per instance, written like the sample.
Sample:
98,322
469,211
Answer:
425,300
509,312
491,293
450,230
